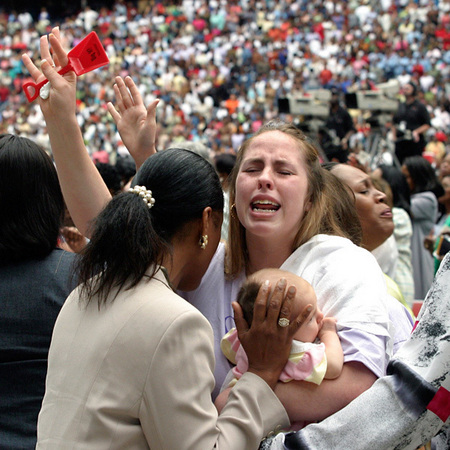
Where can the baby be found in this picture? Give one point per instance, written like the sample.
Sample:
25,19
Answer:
316,351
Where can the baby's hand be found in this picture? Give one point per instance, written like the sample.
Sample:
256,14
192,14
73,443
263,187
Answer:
328,325
333,349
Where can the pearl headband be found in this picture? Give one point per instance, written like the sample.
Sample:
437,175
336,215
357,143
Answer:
145,194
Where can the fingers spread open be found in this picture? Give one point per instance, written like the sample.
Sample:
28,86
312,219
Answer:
301,319
45,50
35,73
286,307
260,305
134,91
114,113
58,50
241,323
277,300
124,93
151,111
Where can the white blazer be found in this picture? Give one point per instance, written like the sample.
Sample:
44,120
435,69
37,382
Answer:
139,373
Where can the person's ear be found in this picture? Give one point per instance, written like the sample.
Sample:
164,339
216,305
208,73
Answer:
207,220
308,206
205,227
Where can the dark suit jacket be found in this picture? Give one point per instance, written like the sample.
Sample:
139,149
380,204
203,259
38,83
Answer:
31,295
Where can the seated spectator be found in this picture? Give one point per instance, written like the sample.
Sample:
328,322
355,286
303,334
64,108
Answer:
194,71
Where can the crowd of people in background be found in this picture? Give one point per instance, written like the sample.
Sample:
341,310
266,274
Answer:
219,68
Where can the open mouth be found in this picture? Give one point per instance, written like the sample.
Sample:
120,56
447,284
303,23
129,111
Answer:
387,213
265,206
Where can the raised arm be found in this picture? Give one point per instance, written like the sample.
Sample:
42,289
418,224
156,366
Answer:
84,191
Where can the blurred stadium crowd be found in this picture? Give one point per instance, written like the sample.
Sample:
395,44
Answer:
220,67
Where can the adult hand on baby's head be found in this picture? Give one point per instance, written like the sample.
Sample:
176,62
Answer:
266,343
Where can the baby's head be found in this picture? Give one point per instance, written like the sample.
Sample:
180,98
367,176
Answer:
304,296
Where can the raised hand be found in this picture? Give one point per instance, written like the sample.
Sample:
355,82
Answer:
61,101
136,123
84,190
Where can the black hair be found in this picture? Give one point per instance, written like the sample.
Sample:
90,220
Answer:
246,298
31,201
225,162
401,195
110,176
130,239
126,168
423,175
414,86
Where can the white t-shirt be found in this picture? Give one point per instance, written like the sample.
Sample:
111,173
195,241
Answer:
387,256
349,285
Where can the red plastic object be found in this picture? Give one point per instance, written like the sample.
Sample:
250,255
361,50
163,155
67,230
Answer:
440,404
88,55
417,305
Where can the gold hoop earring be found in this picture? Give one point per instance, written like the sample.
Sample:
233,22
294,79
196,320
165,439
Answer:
203,242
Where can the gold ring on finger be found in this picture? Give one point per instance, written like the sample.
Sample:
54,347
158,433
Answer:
283,322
